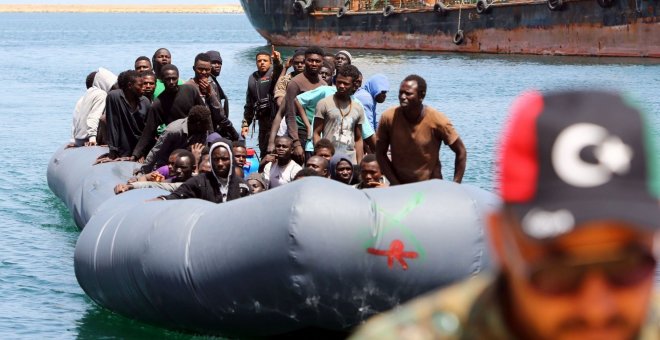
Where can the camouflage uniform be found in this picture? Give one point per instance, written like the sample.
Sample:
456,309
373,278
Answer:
469,310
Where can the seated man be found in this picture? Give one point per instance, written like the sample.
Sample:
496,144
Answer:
341,169
180,134
280,169
324,148
370,174
240,153
182,170
318,164
218,186
306,172
257,183
148,84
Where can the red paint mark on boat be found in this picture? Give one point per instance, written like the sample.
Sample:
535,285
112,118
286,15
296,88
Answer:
395,252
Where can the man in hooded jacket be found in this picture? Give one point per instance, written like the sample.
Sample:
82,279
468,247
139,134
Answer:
90,107
371,94
218,186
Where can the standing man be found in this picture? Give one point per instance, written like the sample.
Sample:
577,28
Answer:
209,92
339,117
142,64
306,81
415,132
374,92
216,67
174,103
259,103
342,58
125,110
574,238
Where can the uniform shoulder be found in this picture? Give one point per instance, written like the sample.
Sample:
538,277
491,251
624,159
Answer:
437,315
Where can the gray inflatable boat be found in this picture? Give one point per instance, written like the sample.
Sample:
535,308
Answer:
312,254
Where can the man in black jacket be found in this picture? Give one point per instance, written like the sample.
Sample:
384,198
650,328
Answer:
218,186
259,104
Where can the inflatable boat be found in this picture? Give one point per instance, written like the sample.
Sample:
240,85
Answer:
311,254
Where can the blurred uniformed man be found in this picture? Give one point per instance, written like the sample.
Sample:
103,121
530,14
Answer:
574,237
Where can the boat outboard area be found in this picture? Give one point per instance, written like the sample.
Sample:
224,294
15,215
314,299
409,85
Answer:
314,253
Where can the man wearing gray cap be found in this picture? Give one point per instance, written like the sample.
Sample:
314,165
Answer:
216,67
574,237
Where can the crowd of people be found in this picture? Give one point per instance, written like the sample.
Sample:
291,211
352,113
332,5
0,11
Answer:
574,238
318,119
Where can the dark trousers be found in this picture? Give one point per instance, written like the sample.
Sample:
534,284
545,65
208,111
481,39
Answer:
265,124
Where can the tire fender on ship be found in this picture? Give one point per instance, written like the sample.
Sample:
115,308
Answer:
459,37
555,5
302,6
388,10
483,6
440,8
342,10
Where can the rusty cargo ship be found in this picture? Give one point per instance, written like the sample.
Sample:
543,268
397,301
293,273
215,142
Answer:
629,28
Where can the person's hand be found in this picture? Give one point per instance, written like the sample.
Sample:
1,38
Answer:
90,143
196,150
131,180
288,63
101,160
277,56
204,86
155,176
70,145
271,158
299,154
244,131
120,188
376,185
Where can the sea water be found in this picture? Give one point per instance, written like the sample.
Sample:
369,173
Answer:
44,59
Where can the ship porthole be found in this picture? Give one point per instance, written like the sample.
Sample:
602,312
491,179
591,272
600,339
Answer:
459,37
388,10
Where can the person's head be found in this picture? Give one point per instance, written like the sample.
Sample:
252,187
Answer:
283,149
131,83
298,62
183,166
313,60
574,237
318,164
256,183
326,72
199,120
263,62
358,81
324,148
341,168
370,171
346,81
89,81
204,165
171,159
202,66
329,57
142,64
221,159
216,62
148,83
240,153
412,92
160,58
306,172
170,77
342,58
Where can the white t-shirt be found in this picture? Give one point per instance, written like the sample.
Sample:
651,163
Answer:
277,175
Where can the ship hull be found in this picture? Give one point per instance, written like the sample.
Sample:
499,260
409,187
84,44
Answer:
581,27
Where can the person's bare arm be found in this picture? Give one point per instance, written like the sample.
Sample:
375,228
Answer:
359,148
370,144
319,124
303,116
273,130
386,167
461,159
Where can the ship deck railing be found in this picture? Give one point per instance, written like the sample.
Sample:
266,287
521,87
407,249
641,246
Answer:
412,6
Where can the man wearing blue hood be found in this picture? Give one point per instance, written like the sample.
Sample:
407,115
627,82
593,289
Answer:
217,186
372,93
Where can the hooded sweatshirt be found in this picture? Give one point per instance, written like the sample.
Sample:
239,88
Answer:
367,96
210,186
334,161
91,106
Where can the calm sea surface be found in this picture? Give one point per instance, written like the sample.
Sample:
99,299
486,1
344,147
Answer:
44,59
